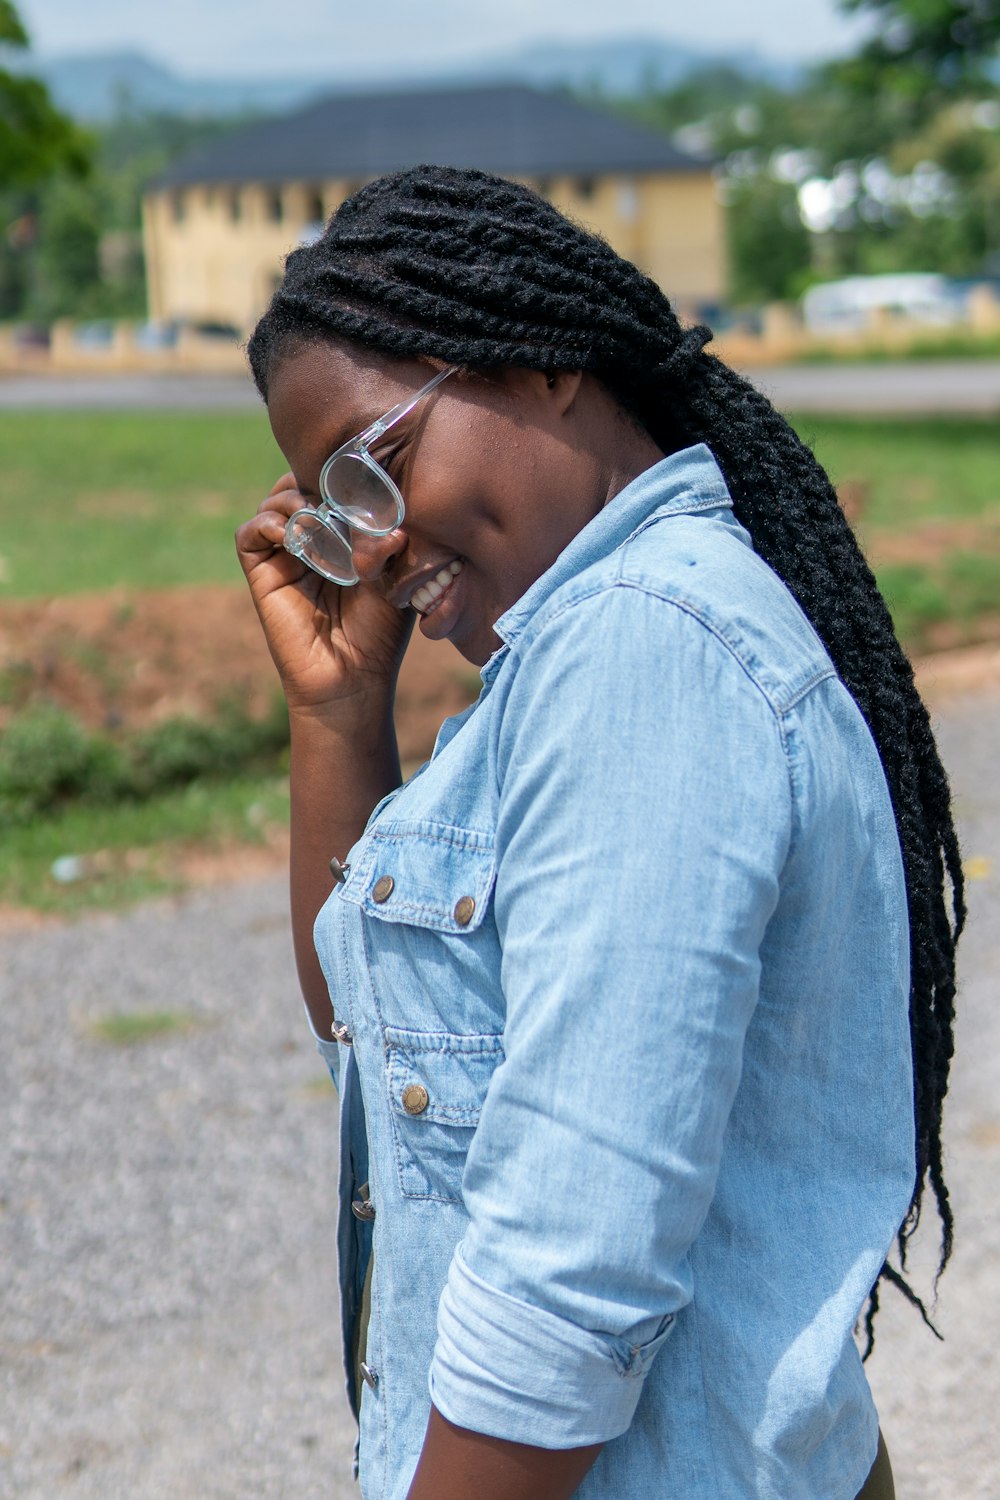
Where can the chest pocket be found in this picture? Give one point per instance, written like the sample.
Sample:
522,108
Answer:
425,888
437,1082
424,874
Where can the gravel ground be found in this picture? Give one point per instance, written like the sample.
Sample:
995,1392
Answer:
167,1307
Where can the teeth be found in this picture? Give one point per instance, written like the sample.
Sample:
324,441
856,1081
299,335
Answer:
430,592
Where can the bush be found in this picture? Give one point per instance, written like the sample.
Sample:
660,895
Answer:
49,759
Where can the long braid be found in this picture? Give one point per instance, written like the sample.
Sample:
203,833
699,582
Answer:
482,272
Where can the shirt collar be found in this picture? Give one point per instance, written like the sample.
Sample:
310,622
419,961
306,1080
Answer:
680,484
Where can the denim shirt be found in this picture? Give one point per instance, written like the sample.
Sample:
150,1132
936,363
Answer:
624,970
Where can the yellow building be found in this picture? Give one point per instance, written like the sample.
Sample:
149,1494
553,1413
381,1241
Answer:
218,224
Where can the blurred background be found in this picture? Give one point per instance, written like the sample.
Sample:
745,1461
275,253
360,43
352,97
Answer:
819,180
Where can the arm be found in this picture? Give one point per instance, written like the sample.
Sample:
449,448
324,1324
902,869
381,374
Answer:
337,652
456,1464
644,819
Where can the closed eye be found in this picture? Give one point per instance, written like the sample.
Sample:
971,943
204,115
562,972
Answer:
389,456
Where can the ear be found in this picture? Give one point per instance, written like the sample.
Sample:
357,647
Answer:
562,388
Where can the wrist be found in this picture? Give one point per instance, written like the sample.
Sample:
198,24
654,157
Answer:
365,715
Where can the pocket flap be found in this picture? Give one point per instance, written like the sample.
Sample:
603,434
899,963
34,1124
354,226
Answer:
439,1076
424,874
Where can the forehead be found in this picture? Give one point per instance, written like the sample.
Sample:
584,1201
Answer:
321,394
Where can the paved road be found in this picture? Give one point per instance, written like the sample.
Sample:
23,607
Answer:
918,386
167,1305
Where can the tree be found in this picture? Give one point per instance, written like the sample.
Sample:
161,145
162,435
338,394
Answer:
927,51
36,141
769,251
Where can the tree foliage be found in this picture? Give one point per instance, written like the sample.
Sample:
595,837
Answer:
885,161
944,46
36,140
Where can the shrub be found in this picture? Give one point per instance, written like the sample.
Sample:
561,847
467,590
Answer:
47,758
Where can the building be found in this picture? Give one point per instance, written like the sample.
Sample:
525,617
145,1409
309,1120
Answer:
218,224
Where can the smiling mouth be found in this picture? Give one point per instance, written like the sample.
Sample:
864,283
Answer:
429,595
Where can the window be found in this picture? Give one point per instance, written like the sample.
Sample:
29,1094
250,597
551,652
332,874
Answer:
585,187
315,207
628,200
274,208
179,208
235,205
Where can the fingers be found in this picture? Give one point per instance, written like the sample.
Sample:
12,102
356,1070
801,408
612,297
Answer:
261,537
260,551
285,498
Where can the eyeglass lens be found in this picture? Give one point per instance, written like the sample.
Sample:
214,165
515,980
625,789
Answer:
360,493
323,543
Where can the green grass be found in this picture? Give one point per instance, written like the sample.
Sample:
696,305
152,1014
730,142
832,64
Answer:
94,500
125,1028
917,474
918,469
955,345
129,852
961,591
151,499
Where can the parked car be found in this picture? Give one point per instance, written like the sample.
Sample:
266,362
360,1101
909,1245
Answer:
847,306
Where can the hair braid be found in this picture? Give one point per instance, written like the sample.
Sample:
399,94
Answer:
480,271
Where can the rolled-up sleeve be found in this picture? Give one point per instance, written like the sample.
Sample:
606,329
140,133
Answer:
645,813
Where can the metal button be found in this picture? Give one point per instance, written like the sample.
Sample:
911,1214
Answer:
415,1099
464,907
340,1033
338,871
368,1375
383,888
362,1206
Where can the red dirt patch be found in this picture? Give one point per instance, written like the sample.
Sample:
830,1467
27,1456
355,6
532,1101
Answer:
127,659
927,543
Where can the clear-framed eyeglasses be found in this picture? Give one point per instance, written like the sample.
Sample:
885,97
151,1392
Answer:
356,495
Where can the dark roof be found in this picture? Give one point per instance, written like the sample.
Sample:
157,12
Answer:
509,129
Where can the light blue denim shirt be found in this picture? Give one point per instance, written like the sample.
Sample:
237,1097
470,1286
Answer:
625,973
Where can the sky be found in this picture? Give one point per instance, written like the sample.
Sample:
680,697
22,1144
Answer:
254,37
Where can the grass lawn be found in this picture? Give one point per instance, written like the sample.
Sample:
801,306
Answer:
95,500
931,522
91,500
133,850
917,470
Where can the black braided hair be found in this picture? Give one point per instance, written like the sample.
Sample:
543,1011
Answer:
482,272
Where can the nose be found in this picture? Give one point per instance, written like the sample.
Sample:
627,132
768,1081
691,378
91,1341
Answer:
373,554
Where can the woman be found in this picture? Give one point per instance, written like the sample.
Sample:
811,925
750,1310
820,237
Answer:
622,978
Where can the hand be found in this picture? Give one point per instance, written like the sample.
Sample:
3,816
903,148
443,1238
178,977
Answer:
330,644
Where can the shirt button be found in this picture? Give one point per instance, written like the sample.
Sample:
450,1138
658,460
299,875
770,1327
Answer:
383,888
362,1206
338,871
464,907
415,1099
368,1375
341,1033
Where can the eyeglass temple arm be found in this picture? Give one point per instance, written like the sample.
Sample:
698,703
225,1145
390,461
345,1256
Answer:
384,423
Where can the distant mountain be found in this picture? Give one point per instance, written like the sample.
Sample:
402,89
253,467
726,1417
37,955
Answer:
97,86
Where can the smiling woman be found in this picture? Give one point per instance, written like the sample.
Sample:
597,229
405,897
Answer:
639,994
